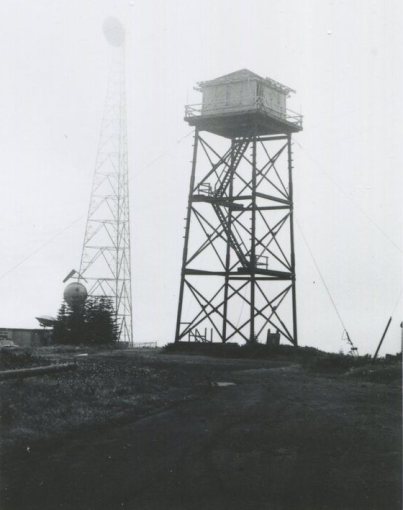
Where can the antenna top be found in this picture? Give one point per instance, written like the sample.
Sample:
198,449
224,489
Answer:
114,31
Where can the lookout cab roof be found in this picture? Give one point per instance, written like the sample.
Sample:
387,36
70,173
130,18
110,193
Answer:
242,75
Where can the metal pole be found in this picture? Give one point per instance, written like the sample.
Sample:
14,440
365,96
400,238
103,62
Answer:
228,252
253,243
292,247
381,340
185,244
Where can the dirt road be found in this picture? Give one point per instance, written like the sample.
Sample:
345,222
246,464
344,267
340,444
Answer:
279,438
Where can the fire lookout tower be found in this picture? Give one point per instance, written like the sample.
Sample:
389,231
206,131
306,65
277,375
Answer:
238,267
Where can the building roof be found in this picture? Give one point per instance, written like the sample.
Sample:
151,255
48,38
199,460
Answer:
245,74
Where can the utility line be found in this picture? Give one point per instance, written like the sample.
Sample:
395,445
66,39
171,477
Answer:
321,275
341,190
364,213
49,241
37,250
328,290
397,302
167,151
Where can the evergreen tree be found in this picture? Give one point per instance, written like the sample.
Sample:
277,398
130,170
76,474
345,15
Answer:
94,323
60,326
101,321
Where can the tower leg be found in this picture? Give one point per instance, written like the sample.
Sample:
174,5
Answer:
253,246
228,252
292,247
186,243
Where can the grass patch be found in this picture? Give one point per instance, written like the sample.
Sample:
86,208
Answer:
99,392
314,360
16,358
382,372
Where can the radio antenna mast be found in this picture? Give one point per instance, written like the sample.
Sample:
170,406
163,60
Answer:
105,259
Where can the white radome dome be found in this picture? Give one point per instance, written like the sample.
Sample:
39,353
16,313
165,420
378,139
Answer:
75,294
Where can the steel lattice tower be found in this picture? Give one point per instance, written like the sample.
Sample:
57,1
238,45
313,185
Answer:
238,267
105,261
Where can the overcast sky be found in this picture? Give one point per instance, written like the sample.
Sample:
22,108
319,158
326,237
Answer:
344,58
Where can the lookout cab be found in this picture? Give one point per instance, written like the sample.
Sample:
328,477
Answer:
243,103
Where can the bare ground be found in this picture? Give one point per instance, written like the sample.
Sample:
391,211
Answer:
163,435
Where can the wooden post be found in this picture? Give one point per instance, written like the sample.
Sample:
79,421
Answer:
381,340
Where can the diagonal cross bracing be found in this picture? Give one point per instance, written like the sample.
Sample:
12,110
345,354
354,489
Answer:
239,227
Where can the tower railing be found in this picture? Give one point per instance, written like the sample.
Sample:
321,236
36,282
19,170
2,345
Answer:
219,108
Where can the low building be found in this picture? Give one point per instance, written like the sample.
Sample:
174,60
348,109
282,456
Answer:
22,337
